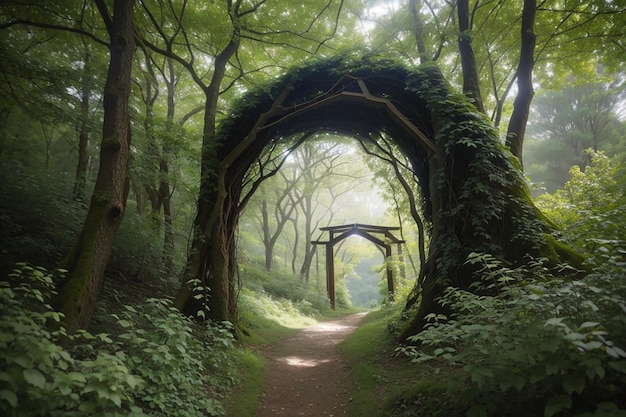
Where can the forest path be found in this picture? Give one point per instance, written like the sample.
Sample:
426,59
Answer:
307,376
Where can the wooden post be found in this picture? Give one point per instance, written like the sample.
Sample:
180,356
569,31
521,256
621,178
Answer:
330,271
390,287
401,259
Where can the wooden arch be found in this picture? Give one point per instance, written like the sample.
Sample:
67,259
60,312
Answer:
475,198
369,232
361,99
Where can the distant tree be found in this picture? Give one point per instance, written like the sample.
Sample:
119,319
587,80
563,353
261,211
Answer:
541,42
567,122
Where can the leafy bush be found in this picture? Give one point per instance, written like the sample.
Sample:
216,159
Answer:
590,207
287,286
550,347
39,376
161,364
42,226
185,366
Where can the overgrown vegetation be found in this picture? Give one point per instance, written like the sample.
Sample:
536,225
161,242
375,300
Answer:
156,363
544,341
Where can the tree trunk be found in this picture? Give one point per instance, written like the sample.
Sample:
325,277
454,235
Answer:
418,30
482,206
309,250
471,83
267,241
83,134
525,92
86,263
164,189
168,230
208,262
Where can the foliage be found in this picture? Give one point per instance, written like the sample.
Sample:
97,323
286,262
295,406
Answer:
549,341
42,229
287,286
565,123
37,216
160,364
590,207
40,377
186,366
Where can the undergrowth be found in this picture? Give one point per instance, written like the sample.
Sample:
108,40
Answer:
157,363
545,345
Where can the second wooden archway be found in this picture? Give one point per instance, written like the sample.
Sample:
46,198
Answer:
381,236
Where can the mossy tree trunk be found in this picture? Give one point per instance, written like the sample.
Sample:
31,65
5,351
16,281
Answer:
86,262
480,203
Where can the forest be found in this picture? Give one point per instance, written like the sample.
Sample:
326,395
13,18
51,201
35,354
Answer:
170,170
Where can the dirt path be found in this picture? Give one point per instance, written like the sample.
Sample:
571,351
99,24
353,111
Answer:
307,376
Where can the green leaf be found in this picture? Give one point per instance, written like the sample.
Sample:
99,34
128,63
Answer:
477,410
619,366
9,396
23,361
124,323
34,377
115,397
557,404
615,352
511,380
573,383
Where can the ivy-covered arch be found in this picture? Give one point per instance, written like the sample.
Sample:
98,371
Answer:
475,194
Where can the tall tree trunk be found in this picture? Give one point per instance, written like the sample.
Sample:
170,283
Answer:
525,92
309,250
471,83
86,262
83,133
418,30
164,174
152,150
208,262
267,241
168,226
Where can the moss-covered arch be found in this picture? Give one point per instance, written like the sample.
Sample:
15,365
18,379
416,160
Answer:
476,197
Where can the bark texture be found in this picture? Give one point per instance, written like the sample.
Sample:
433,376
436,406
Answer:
471,83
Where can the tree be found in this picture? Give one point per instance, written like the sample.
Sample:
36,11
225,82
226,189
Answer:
471,84
553,39
524,74
569,121
86,262
207,263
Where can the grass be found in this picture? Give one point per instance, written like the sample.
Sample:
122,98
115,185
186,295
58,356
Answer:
245,397
388,385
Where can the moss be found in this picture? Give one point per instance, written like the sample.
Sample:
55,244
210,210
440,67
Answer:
111,143
559,252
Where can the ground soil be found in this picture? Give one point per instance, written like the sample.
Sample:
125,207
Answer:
307,375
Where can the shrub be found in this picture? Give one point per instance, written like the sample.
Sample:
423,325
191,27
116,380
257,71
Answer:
39,376
162,363
553,343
